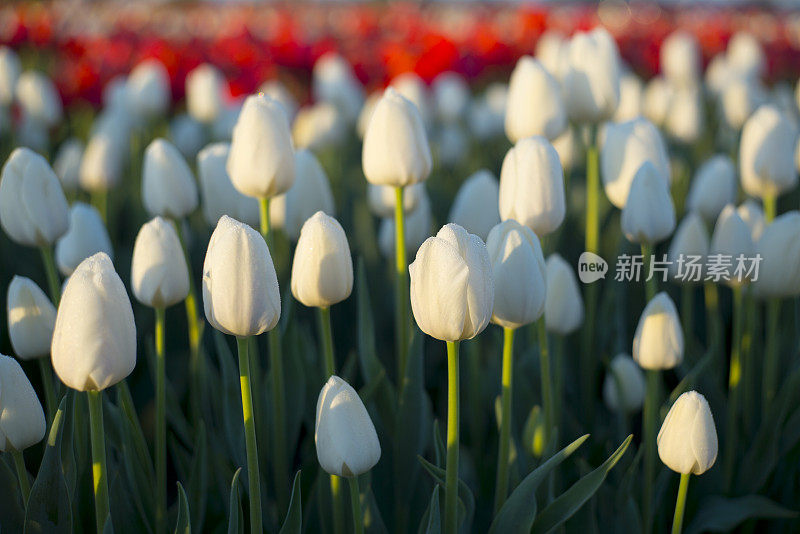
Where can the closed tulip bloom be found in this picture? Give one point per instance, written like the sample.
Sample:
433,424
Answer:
168,187
366,113
779,247
240,287
451,96
487,113
86,237
380,198
148,89
347,444
277,91
22,421
713,187
532,186
752,214
534,104
187,134
631,97
766,157
31,318
552,49
417,229
626,146
740,98
569,148
67,164
39,98
746,55
396,150
159,275
310,193
102,163
732,238
657,98
219,195
648,215
475,207
658,342
94,340
624,386
452,293
318,127
322,270
690,239
261,159
685,120
412,88
681,62
591,78
205,86
10,69
687,441
334,81
516,254
563,307
33,210
719,74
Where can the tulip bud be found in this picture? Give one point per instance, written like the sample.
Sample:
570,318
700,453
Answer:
240,287
159,275
487,113
102,163
591,79
515,254
658,342
452,293
275,90
657,98
532,186
94,340
322,270
205,86
22,421
188,135
33,210
31,317
39,98
684,122
681,62
534,104
740,98
631,96
753,216
412,88
334,81
86,237
767,153
10,69
168,187
569,148
475,207
366,114
149,89
115,93
690,239
310,193
687,441
648,215
625,148
779,247
451,96
746,56
318,127
261,159
732,238
67,164
417,229
347,444
624,386
563,308
713,187
220,197
719,74
396,150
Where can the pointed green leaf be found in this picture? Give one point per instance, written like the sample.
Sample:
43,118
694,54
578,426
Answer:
231,400
12,514
293,524
433,518
198,478
465,497
235,518
184,522
720,514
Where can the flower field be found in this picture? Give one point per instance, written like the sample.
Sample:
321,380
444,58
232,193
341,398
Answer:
389,267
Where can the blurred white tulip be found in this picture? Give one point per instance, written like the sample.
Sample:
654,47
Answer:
475,206
552,49
334,81
413,89
188,135
318,127
570,148
779,247
752,214
67,164
366,113
685,120
732,238
563,308
534,105
219,195
658,342
278,92
690,239
649,215
740,98
592,77
22,421
631,98
451,96
680,58
39,99
10,69
687,441
713,187
87,235
205,87
656,100
766,154
148,90
746,56
159,275
168,186
103,161
624,386
31,318
451,145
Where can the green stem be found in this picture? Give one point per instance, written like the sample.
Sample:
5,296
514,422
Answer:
401,286
713,323
451,475
588,357
326,338
592,198
734,387
355,502
680,505
748,364
263,214
53,282
650,423
254,479
100,202
547,380
771,356
651,284
501,486
49,388
687,312
161,425
770,207
22,474
278,416
99,470
196,362
336,499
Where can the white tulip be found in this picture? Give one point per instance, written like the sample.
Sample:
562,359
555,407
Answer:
532,186
148,89
33,210
732,238
222,128
22,421
534,105
657,98
417,226
766,157
205,87
413,89
346,441
168,186
451,96
451,145
740,98
713,187
102,164
334,81
261,159
685,119
452,293
552,49
591,78
31,318
779,247
475,207
626,146
240,287
563,308
649,215
366,113
752,214
188,135
719,74
94,340
687,441
680,58
690,239
631,98
318,127
159,275
278,92
381,198
396,150
624,386
570,149
87,235
39,98
220,197
10,69
487,113
115,93
746,56
67,164
658,342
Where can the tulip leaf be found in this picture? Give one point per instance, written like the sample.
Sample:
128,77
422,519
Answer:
235,516
293,524
465,497
184,523
296,394
432,520
576,496
198,478
440,453
49,508
721,514
231,400
12,513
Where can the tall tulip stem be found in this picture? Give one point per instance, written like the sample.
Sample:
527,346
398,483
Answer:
326,338
501,486
99,471
734,386
355,502
161,425
53,282
100,202
770,207
771,354
713,322
547,379
401,285
687,312
680,504
588,352
651,284
49,388
254,479
22,475
451,476
650,423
